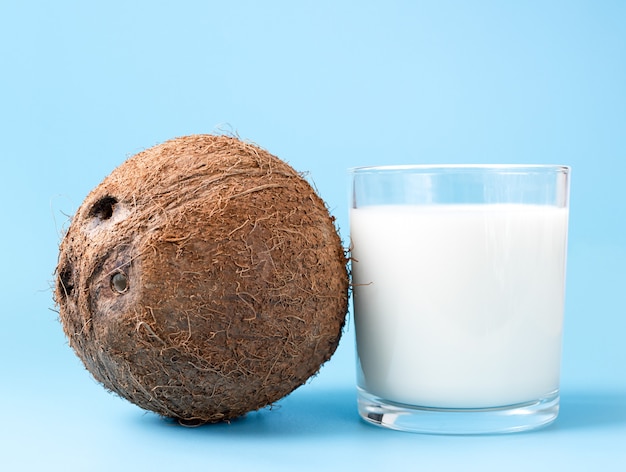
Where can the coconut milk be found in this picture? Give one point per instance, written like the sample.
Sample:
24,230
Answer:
459,306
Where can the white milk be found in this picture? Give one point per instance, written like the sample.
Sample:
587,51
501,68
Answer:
459,306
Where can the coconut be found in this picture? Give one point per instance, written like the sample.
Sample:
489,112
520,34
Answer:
204,278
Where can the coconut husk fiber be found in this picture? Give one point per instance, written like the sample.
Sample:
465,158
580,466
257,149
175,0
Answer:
202,279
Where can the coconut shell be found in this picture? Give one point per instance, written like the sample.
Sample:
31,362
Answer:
202,279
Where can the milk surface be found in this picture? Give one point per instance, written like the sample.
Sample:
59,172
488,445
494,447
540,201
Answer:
459,306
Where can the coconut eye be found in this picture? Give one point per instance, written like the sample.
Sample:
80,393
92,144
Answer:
65,282
103,208
119,282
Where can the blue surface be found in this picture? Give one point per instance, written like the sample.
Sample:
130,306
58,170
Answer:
326,86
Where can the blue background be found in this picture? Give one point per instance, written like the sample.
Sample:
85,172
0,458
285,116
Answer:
325,85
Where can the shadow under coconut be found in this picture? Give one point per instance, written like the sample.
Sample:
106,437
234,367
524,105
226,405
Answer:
310,412
304,412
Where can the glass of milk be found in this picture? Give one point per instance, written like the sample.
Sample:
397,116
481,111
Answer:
458,276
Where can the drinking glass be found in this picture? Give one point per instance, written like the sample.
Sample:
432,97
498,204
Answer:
458,276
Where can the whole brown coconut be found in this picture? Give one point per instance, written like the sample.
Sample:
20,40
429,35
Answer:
202,279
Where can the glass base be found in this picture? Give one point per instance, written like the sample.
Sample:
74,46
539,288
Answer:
505,419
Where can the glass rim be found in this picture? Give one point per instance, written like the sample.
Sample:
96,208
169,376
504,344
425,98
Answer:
425,168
